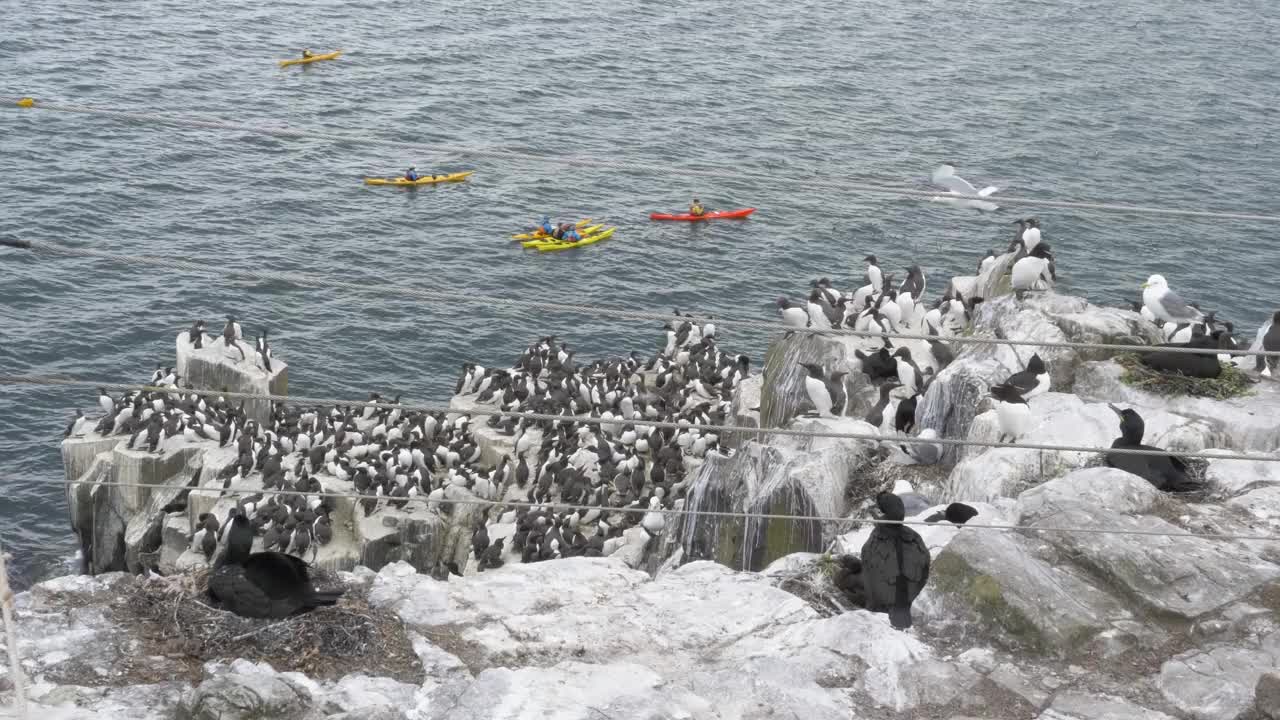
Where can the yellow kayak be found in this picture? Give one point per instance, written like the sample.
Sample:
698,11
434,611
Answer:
313,58
584,232
539,235
424,180
581,243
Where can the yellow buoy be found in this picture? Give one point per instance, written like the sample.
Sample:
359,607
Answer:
27,102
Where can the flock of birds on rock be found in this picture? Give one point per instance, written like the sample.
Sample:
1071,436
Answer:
620,474
883,306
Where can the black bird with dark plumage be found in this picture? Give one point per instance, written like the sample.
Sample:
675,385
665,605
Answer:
895,564
1165,472
265,584
876,416
955,513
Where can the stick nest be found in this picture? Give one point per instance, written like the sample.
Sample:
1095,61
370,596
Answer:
174,617
1231,383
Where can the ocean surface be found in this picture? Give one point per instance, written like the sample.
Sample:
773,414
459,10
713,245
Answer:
1139,101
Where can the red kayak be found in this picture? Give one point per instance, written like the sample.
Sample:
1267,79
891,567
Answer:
717,215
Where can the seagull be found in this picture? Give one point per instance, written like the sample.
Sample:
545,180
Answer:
945,176
1165,303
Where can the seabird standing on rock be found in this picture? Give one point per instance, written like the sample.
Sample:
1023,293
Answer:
815,385
955,513
1165,304
78,426
1270,343
195,335
1165,472
985,263
265,584
1032,381
1012,412
654,522
895,563
875,277
908,372
1031,235
264,350
792,315
105,402
1032,272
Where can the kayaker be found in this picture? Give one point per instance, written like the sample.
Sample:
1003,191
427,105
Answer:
560,231
546,226
571,235
696,208
306,53
411,174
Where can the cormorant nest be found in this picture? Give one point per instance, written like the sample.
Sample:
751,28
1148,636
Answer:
1231,383
175,617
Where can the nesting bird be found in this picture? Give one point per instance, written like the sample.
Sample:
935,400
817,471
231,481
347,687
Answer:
1165,472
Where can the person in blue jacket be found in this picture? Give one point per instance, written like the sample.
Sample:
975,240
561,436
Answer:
571,235
411,174
546,226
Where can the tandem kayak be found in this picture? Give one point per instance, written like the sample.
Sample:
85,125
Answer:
549,246
717,215
425,180
582,233
539,235
313,58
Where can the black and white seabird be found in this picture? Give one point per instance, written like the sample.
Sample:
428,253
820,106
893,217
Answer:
908,372
895,564
793,315
1012,412
264,351
1165,472
875,277
78,426
1032,381
815,385
1032,272
1270,343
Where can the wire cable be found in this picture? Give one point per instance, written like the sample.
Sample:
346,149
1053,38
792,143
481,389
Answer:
587,420
724,514
183,121
383,288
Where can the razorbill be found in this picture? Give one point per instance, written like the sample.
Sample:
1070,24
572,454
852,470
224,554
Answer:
1032,272
1012,412
815,386
1032,381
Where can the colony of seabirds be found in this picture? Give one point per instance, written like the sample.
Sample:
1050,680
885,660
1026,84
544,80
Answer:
590,481
611,475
